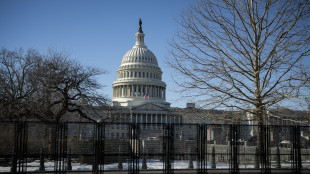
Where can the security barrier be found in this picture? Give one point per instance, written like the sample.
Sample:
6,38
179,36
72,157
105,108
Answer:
66,147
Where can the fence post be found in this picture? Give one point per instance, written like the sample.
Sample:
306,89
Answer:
42,167
14,162
213,165
69,164
278,159
144,166
190,164
120,164
256,163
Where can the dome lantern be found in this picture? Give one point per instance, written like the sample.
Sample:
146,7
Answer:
139,37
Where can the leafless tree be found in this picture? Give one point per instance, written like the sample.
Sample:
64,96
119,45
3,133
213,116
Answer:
17,83
244,55
48,87
67,86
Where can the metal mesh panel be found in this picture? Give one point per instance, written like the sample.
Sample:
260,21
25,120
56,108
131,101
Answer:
7,135
248,152
80,146
305,146
151,149
145,148
185,146
41,142
117,147
280,153
218,146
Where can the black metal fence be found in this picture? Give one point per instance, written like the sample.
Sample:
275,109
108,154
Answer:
36,147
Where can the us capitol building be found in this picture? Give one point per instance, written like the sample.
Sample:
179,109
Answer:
139,94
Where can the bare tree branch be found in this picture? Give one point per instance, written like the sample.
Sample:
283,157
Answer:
243,55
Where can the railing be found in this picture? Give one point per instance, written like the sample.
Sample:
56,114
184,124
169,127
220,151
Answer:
37,147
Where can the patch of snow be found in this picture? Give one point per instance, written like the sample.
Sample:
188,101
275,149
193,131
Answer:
151,165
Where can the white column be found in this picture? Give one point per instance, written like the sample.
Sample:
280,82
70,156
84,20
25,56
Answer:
141,118
164,93
136,90
128,90
158,92
120,91
113,92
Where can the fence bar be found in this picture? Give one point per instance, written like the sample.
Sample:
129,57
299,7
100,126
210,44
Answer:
202,147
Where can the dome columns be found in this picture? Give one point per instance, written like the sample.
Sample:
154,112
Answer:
138,91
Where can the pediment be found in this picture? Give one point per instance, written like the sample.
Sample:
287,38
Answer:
150,107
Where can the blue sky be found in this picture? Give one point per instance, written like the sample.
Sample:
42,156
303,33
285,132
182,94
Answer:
96,33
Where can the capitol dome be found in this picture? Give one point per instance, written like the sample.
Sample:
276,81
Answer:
139,55
139,78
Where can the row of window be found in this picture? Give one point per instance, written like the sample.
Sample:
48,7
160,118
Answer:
131,74
137,59
138,66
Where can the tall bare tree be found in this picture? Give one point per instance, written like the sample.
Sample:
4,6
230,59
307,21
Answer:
47,87
247,55
17,83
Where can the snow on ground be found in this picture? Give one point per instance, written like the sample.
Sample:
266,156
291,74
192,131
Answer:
151,164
